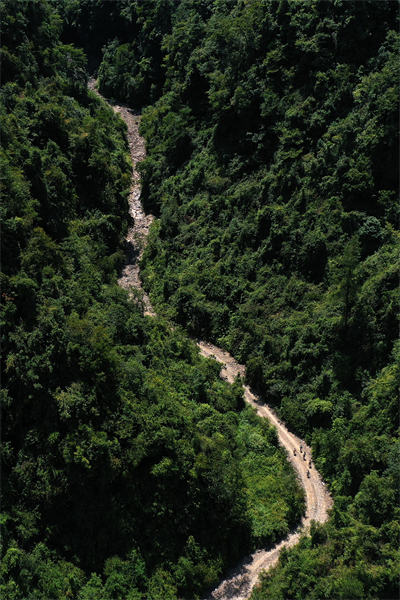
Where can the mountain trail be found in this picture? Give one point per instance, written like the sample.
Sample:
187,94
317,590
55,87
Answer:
240,582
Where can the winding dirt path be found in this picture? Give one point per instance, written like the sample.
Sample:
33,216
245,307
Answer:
241,581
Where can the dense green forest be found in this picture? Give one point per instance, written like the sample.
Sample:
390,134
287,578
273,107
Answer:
129,469
272,137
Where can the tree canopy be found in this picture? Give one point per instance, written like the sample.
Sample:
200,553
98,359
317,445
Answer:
273,169
128,466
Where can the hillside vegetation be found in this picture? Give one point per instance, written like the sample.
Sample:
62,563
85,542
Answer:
129,469
272,167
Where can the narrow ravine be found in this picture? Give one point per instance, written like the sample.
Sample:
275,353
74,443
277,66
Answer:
137,234
241,581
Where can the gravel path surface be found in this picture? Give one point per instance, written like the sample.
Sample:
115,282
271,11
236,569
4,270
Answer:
137,234
241,581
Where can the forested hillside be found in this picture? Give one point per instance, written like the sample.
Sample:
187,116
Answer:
272,137
129,469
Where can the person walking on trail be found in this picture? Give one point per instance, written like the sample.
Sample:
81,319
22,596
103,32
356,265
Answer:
308,474
294,451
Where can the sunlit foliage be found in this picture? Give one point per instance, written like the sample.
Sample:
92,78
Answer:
129,468
273,168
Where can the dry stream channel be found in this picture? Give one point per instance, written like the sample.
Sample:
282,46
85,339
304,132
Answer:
241,581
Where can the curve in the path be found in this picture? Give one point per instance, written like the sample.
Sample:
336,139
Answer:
241,581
